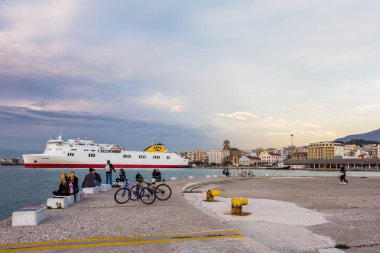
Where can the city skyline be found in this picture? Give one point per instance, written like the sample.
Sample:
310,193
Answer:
188,74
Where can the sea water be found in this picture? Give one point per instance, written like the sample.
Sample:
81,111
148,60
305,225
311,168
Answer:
20,187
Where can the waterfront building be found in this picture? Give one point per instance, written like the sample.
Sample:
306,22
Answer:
254,161
325,150
299,155
217,156
244,161
270,157
198,155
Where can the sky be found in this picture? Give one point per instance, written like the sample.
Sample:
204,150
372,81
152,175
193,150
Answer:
189,74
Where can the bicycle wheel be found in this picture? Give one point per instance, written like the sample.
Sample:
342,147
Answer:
163,192
122,196
147,195
243,174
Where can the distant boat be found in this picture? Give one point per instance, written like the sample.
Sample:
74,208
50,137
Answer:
77,153
7,162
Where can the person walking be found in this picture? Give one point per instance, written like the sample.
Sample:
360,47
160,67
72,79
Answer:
342,176
108,169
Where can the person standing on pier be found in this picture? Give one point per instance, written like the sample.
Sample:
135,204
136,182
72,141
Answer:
108,169
342,176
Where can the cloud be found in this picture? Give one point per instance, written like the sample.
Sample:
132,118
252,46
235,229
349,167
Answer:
238,115
307,124
177,108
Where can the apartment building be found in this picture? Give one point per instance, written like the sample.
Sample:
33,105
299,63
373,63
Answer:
324,150
217,156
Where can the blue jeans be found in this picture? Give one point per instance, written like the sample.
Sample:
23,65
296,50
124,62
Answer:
97,183
109,178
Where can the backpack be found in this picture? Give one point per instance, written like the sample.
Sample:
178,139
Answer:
107,168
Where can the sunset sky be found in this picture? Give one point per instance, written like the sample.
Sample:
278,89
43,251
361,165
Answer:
188,73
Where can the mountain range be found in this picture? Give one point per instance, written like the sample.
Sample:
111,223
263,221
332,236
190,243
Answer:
370,136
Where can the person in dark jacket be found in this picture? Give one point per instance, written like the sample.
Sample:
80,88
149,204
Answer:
342,175
89,179
63,189
98,179
73,184
122,176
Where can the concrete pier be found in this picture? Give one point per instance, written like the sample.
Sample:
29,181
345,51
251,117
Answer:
286,215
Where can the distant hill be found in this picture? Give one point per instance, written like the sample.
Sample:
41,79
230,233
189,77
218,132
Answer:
372,137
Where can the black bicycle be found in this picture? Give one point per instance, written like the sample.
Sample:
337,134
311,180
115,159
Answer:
135,192
162,191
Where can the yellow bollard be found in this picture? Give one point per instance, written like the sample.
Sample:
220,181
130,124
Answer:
211,194
237,205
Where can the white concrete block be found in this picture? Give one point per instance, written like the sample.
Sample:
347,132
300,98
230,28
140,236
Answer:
79,196
191,177
70,200
58,202
173,178
105,187
214,175
267,175
208,176
91,190
29,215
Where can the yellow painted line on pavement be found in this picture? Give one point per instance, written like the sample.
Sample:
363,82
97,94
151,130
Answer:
115,241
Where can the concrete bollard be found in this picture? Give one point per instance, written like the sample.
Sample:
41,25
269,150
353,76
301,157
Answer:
191,177
237,205
105,187
173,178
211,194
214,175
91,190
70,200
58,202
208,176
267,175
29,215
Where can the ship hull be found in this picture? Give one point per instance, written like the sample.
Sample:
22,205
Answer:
87,154
124,166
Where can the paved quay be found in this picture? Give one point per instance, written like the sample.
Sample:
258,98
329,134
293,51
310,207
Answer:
287,215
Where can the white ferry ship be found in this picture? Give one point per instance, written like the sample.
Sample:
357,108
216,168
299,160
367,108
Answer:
77,153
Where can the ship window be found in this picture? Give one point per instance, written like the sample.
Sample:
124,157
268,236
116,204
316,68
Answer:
127,156
92,149
91,155
73,149
86,150
142,156
70,154
156,157
168,157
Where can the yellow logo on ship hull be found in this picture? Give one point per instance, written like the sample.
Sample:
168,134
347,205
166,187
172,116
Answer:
156,148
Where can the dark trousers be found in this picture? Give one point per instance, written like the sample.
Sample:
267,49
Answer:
343,179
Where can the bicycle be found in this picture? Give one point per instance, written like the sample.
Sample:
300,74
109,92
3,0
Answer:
162,191
135,192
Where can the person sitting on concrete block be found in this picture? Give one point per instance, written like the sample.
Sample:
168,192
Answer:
73,184
89,179
63,189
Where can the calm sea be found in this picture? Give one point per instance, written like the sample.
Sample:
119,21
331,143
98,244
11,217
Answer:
21,187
